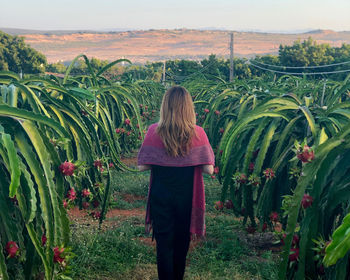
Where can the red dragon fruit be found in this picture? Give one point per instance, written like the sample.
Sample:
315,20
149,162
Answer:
269,173
264,227
307,200
57,255
85,205
229,204
293,257
43,239
11,249
240,178
219,205
98,163
306,155
65,203
295,240
85,193
67,168
274,217
71,195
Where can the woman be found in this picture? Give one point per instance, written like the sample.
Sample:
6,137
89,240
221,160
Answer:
177,152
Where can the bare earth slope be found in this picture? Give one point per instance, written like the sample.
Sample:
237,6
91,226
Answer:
156,45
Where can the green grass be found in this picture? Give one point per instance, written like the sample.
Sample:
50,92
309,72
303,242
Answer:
113,252
118,252
223,256
134,183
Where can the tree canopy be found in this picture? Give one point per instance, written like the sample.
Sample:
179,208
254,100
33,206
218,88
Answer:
17,56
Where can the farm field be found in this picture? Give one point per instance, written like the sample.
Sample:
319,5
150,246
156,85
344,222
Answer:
277,206
158,45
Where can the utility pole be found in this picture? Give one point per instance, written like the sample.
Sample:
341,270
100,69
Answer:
231,58
163,78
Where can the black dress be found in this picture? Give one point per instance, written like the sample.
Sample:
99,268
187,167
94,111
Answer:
170,209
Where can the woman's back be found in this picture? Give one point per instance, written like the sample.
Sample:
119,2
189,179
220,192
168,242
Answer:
174,179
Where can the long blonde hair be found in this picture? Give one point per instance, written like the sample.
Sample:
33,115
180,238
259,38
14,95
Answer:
177,122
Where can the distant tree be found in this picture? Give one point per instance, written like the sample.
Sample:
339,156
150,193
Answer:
306,53
138,72
17,56
81,68
212,65
57,67
182,68
98,64
241,68
157,70
341,54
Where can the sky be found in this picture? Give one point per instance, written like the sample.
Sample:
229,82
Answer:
263,15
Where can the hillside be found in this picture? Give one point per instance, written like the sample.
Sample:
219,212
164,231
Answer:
155,45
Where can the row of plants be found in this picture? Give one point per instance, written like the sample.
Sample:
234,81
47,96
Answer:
59,138
282,150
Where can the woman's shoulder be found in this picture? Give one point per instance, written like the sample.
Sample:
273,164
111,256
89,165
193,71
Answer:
200,131
201,137
152,127
199,128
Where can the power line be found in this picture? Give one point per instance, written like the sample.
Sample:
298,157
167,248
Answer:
298,73
177,77
181,78
201,70
190,75
303,67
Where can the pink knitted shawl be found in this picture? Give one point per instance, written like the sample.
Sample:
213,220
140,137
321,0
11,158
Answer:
153,152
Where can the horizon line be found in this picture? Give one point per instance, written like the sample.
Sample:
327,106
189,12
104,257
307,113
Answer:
121,29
